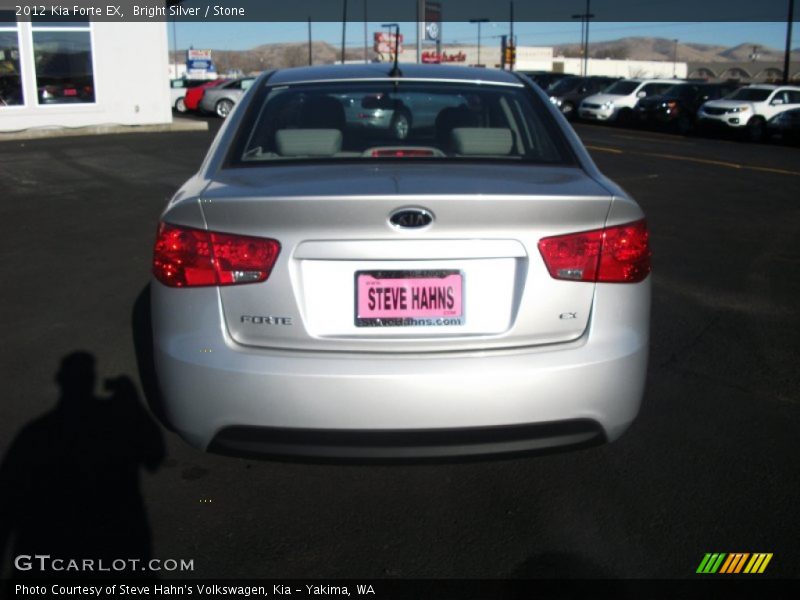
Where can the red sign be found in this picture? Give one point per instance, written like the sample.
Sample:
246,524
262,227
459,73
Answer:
385,43
430,56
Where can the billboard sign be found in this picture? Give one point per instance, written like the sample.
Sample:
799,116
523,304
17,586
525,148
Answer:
433,21
193,54
385,43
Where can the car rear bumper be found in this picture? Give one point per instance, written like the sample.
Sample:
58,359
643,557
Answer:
226,397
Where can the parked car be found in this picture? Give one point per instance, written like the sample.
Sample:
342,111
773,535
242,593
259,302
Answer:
568,93
616,103
65,92
544,79
395,113
476,288
177,90
677,108
221,98
193,95
786,124
748,109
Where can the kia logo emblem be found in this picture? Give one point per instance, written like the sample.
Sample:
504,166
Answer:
409,218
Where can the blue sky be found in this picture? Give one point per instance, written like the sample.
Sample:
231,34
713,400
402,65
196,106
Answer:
243,36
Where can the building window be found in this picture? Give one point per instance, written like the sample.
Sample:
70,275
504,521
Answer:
10,73
62,54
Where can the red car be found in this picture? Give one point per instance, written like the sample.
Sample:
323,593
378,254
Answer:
195,94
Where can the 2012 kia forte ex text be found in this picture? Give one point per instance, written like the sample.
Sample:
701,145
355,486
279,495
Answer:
472,285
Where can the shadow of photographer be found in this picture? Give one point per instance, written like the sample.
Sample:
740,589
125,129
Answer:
69,483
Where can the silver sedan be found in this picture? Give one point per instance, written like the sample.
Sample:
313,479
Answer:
220,100
324,289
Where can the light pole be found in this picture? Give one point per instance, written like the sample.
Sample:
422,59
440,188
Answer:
479,21
674,58
788,52
585,36
310,52
344,26
583,30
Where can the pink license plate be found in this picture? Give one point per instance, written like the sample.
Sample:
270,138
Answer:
409,298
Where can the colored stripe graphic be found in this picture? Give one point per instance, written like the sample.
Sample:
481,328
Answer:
758,563
711,562
734,563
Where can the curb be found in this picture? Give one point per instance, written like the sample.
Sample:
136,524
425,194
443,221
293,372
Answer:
177,125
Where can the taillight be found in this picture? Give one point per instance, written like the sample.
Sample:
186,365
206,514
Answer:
619,254
186,257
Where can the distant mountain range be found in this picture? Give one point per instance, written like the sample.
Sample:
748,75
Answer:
650,48
270,56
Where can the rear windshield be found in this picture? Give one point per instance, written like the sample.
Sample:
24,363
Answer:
750,94
622,88
355,120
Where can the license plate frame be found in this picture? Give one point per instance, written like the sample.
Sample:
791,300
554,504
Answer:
435,317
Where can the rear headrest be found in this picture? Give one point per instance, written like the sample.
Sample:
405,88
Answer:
308,142
493,141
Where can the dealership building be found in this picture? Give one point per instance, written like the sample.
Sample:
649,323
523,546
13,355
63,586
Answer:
82,73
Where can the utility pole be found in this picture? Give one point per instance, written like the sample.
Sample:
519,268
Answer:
366,58
344,26
788,52
479,21
310,59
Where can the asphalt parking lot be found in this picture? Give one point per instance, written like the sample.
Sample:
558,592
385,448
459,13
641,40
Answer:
711,465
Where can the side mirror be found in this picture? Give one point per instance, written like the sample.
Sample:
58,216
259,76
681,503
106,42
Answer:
777,102
641,94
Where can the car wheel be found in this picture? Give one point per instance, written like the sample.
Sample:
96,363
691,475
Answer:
180,105
401,125
756,129
224,107
568,110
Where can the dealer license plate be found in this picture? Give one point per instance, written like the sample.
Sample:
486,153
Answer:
427,298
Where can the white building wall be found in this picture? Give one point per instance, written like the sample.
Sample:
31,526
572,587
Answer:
622,68
130,63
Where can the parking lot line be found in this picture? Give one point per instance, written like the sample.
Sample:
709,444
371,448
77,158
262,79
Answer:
721,163
604,149
704,161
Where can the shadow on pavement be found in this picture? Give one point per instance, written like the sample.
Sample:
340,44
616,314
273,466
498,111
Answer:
69,483
143,344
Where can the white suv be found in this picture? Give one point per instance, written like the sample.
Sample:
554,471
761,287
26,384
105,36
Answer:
617,101
749,108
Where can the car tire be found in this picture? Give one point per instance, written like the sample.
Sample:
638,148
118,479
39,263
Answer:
568,110
401,125
223,108
180,106
756,129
